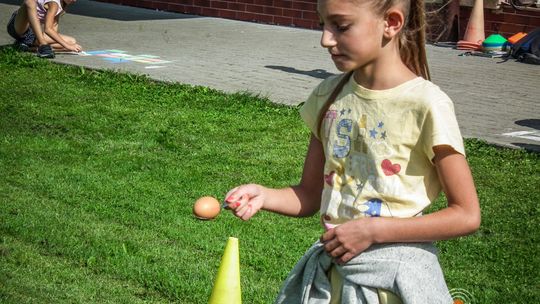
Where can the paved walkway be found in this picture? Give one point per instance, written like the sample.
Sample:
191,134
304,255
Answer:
497,102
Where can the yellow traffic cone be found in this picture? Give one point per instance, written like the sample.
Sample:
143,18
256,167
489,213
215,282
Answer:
227,285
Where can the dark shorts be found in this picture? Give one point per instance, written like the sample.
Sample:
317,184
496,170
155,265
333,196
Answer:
27,38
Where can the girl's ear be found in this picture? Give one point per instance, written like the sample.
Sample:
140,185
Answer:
393,22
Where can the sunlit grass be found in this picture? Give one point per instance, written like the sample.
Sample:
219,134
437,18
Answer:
99,172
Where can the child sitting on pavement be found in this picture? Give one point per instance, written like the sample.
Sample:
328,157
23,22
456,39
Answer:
35,24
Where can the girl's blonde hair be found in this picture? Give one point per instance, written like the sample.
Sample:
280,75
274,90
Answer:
411,39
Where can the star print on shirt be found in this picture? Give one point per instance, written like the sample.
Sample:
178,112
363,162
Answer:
344,111
381,124
383,135
373,133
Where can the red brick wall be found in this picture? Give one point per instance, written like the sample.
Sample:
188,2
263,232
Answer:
299,13
507,23
302,13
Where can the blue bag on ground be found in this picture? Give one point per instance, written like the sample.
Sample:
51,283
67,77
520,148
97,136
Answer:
527,49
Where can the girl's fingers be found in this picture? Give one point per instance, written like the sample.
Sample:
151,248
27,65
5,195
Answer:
241,200
245,212
232,197
241,203
328,235
331,245
249,213
338,252
236,194
237,200
345,258
335,249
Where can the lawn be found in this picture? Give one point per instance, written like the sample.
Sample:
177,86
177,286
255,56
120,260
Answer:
99,172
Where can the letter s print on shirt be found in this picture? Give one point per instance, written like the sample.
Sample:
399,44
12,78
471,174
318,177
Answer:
342,146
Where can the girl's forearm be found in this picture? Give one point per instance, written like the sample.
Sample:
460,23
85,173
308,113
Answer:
448,223
53,33
292,201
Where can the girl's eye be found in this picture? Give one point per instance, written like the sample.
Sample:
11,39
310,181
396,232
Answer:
342,28
339,28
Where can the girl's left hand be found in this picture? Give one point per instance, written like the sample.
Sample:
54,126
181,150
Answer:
348,240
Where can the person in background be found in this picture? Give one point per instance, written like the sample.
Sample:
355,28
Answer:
35,24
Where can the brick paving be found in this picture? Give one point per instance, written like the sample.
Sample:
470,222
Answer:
495,101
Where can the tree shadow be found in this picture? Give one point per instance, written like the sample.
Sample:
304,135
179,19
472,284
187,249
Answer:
530,123
117,12
317,73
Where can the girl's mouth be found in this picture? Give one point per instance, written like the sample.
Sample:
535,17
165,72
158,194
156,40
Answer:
337,56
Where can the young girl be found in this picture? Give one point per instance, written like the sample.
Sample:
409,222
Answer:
385,142
35,23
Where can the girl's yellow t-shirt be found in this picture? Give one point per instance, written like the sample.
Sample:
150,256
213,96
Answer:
379,147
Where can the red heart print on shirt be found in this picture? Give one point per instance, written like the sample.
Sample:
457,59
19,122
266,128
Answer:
390,169
329,178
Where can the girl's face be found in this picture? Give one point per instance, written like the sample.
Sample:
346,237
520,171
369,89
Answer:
352,32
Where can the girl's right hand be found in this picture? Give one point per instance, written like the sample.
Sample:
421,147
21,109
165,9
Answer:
245,200
74,47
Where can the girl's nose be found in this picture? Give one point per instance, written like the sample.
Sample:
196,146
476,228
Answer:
327,38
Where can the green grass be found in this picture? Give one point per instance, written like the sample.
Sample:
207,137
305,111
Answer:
99,172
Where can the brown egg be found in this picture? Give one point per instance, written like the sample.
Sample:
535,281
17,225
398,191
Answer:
206,208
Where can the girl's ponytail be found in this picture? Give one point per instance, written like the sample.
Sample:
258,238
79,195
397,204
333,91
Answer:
413,42
412,39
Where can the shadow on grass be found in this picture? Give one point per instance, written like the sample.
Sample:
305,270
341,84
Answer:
528,147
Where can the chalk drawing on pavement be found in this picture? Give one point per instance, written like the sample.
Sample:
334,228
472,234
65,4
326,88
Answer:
81,53
531,135
119,56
